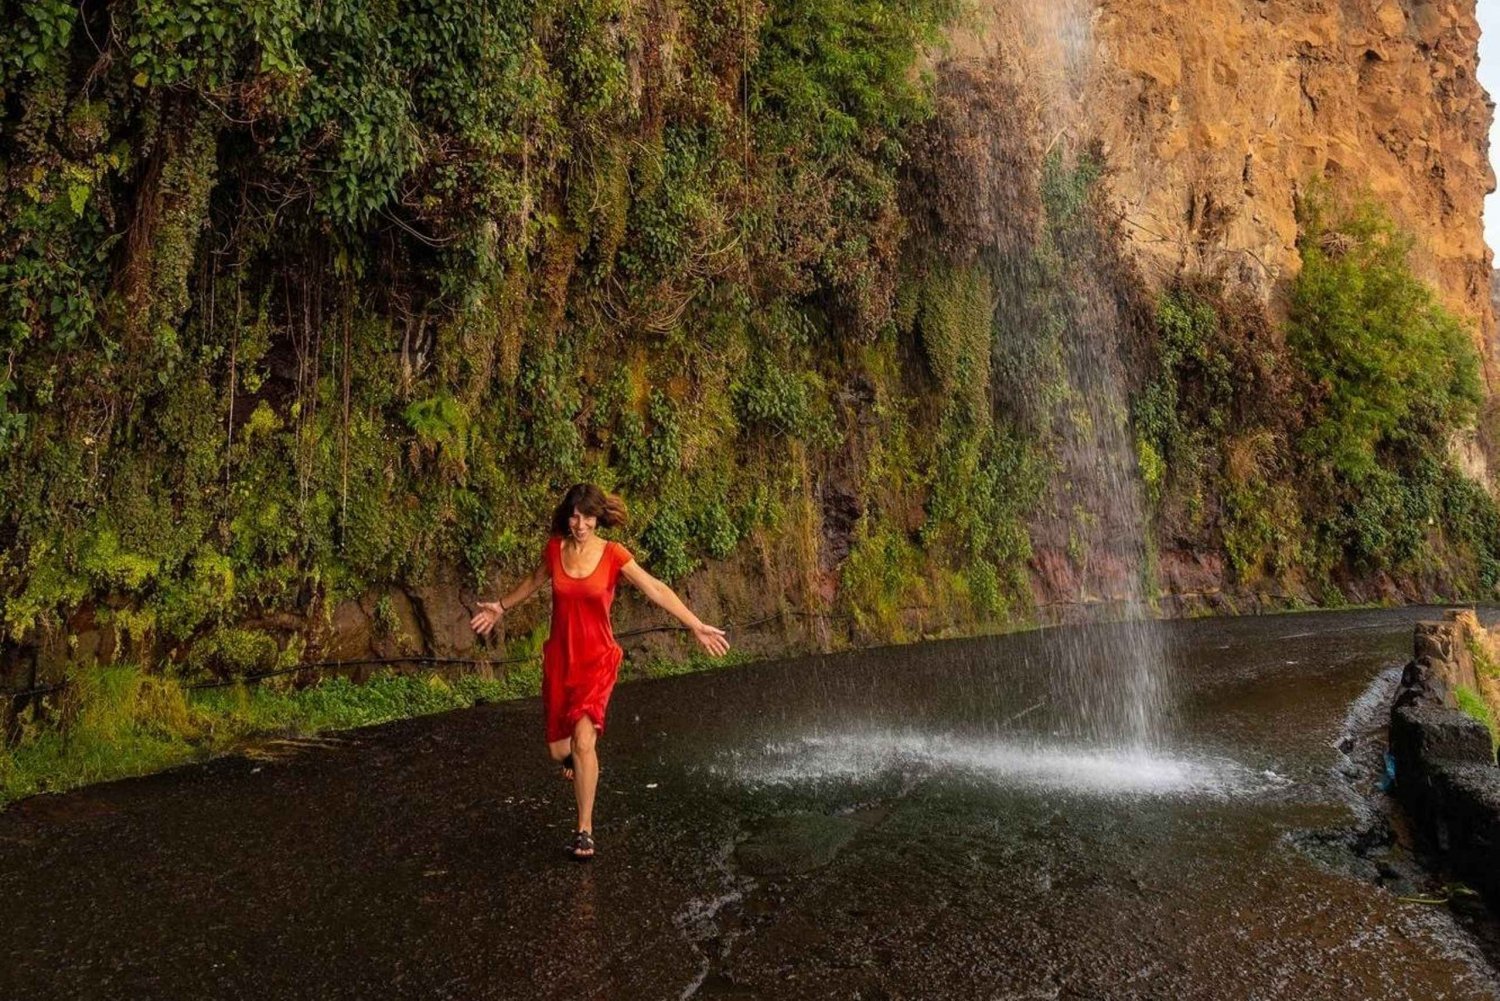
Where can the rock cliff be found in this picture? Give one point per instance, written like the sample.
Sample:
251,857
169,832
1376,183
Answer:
846,358
1216,114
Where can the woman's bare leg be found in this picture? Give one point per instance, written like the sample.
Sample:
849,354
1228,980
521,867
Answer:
559,751
586,771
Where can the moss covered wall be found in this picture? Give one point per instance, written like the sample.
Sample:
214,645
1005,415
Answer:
310,313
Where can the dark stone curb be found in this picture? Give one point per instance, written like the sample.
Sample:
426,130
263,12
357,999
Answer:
1447,780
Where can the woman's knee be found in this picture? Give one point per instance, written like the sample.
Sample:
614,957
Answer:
559,750
584,736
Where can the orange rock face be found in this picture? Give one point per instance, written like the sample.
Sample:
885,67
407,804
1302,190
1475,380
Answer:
1216,113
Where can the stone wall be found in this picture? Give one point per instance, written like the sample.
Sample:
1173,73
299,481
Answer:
1446,775
1446,648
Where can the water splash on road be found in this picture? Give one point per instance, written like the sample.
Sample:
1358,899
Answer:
1086,770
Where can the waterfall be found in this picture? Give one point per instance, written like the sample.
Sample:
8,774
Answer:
1109,683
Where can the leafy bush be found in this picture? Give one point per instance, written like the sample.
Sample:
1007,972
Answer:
441,426
1184,414
1330,452
232,651
955,321
770,400
716,530
880,577
1393,376
1469,516
834,88
1388,364
984,486
666,541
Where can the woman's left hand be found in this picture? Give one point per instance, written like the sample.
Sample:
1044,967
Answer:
712,638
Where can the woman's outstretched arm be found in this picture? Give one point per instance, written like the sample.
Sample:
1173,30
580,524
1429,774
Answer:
712,637
490,611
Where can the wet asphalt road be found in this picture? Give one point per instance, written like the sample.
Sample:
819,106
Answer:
903,823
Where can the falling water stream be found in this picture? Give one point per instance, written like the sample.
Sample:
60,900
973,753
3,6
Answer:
1055,279
1126,703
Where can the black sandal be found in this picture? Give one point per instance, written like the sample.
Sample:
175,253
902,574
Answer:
582,847
567,766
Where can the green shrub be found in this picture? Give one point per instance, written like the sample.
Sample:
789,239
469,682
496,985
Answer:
1389,365
664,445
666,542
1393,376
630,449
441,426
715,530
1186,409
1331,451
1470,517
232,651
985,590
955,324
834,88
879,578
984,486
771,400
1262,528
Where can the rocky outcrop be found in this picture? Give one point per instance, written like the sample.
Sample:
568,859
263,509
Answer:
1215,115
1218,115
1446,775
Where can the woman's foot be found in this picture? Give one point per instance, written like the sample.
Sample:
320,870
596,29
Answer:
583,845
567,768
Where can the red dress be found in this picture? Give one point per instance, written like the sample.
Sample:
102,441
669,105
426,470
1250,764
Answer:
580,659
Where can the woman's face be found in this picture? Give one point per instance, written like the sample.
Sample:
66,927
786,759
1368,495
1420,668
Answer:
581,525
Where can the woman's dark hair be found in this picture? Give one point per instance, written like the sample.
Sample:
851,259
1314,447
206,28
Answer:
590,500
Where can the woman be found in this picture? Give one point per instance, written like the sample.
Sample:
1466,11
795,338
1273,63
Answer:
581,659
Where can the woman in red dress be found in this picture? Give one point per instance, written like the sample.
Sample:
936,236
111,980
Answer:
581,659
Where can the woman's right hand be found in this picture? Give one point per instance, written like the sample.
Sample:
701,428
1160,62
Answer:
713,639
484,620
